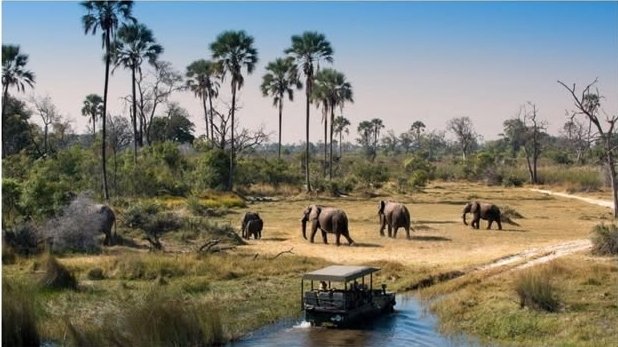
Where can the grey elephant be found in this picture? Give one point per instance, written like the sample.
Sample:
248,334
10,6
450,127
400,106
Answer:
395,215
481,210
251,224
105,220
328,220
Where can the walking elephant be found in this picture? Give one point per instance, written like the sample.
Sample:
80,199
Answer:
328,220
394,215
481,210
104,220
251,224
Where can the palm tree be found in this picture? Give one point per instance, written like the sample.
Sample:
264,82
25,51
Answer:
203,82
341,124
135,43
234,50
13,74
307,49
93,106
105,15
333,89
281,79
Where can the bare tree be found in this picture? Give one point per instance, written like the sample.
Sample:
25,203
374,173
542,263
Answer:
534,129
588,104
154,88
49,114
119,136
463,129
578,137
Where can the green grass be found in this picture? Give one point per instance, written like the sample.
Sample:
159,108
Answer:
535,290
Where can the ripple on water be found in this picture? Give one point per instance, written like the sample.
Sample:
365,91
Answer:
410,325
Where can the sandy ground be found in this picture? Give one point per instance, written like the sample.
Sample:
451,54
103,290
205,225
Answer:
553,226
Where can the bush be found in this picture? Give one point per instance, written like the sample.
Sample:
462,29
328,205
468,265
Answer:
95,274
536,291
605,239
212,170
19,321
57,277
371,175
23,239
513,181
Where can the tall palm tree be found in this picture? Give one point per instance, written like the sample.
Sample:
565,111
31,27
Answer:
308,49
332,88
281,79
93,106
135,43
105,16
203,82
235,51
341,125
13,74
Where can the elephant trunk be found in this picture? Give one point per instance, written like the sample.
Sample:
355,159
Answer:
304,227
464,218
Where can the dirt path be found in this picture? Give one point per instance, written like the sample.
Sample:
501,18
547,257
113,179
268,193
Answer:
604,203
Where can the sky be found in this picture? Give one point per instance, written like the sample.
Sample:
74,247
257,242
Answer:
406,61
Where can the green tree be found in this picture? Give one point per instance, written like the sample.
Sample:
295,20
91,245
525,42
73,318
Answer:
463,129
175,126
16,130
281,79
234,51
15,75
308,49
365,131
341,125
105,16
93,108
135,43
203,81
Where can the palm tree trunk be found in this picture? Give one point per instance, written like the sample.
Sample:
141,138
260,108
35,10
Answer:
94,125
340,152
4,102
230,182
103,116
308,93
45,139
330,159
205,116
612,171
325,112
280,120
212,126
134,118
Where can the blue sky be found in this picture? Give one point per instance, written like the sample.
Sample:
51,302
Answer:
407,61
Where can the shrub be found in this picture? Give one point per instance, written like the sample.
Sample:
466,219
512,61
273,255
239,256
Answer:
212,170
57,276
536,291
19,321
371,175
605,239
96,273
23,239
513,181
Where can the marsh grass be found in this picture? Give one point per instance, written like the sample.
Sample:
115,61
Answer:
19,320
57,276
605,239
535,290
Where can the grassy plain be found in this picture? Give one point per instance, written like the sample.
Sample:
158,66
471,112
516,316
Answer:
250,285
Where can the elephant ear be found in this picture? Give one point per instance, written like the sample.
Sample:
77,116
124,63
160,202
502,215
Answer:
381,207
315,212
475,206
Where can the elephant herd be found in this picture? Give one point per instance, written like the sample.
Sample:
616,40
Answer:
393,215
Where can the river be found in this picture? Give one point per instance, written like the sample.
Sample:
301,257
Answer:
410,325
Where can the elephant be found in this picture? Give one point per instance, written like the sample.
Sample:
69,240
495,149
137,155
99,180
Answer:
395,215
481,210
328,220
252,224
105,219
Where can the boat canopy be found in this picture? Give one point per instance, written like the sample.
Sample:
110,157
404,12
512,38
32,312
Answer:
339,273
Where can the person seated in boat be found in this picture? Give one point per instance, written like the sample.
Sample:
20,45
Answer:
323,285
355,286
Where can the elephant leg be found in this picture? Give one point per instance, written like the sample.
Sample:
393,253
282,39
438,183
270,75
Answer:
259,234
390,231
106,242
338,238
499,223
408,233
348,238
382,226
324,237
395,232
314,229
489,222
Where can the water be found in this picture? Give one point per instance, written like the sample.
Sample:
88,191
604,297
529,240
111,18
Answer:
410,325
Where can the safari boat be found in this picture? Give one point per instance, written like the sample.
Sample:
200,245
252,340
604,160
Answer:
343,296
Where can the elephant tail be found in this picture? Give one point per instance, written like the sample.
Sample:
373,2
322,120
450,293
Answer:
508,220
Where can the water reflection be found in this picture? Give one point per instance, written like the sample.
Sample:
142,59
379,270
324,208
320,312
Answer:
410,325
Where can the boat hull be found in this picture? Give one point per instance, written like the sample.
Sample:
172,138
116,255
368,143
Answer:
341,318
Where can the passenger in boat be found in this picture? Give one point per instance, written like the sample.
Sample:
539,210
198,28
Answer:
323,285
